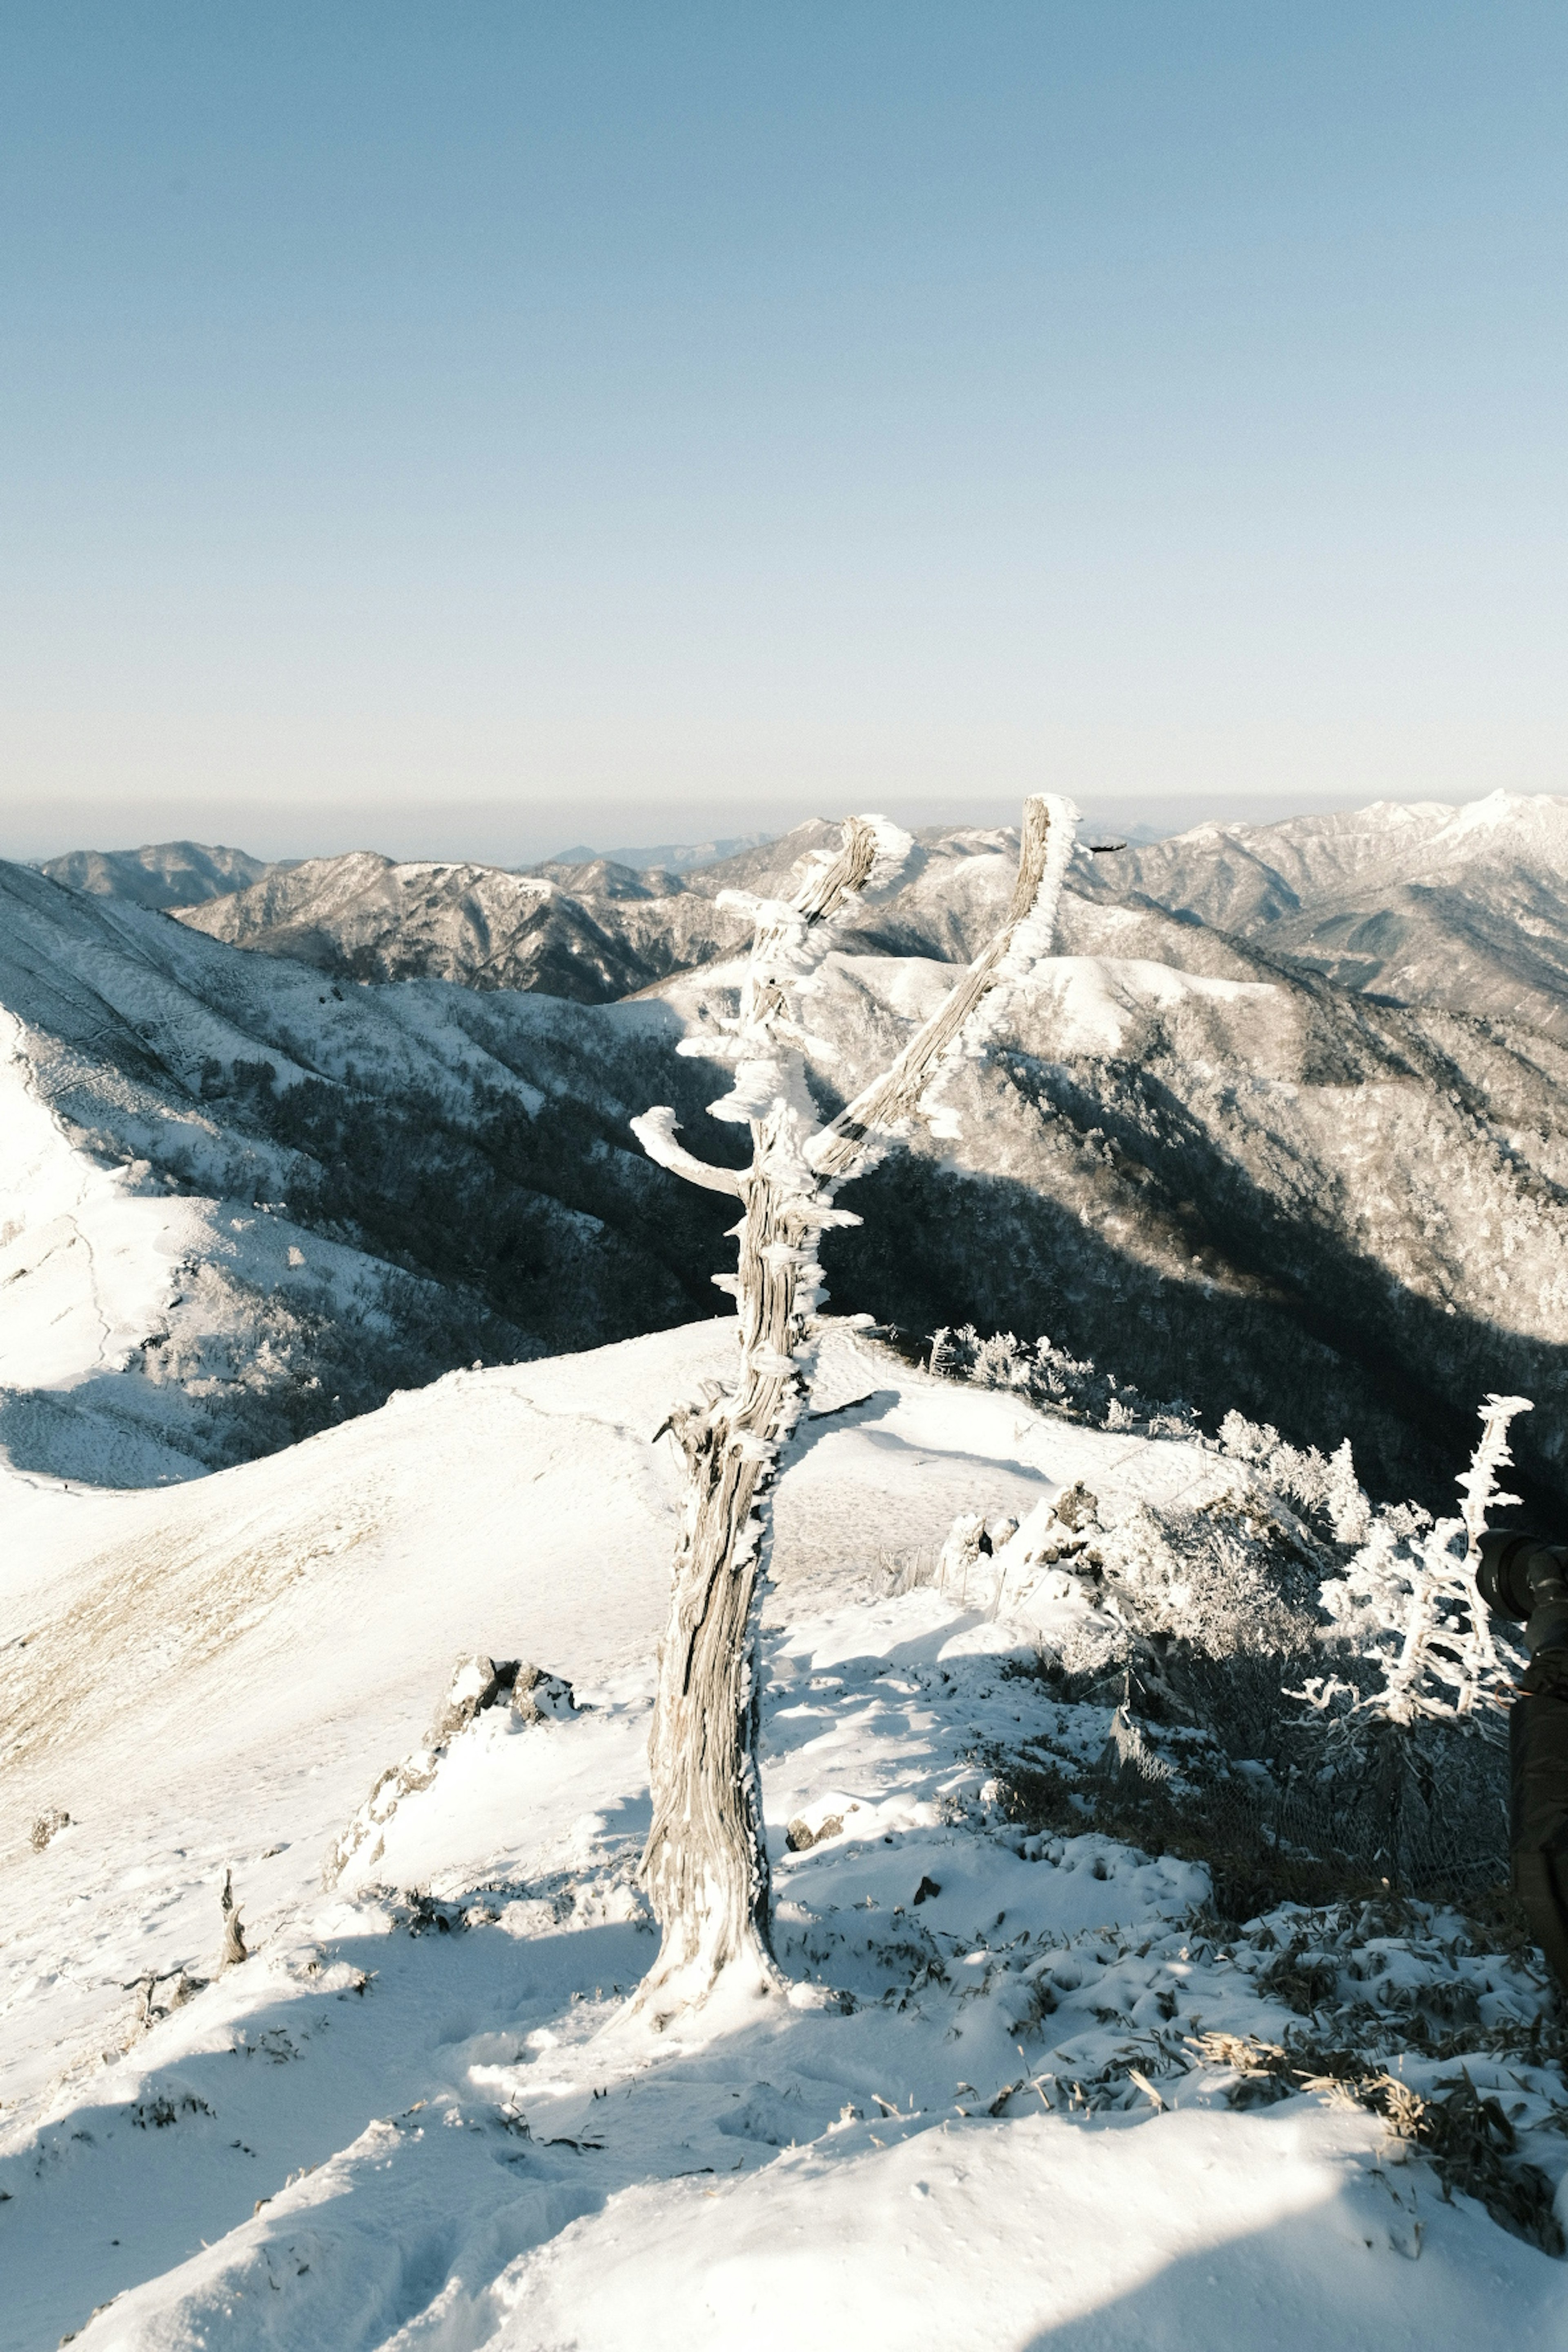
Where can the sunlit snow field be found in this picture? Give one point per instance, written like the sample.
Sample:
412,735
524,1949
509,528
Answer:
419,2114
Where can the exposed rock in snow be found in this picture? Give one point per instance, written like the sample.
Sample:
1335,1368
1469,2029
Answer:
479,1684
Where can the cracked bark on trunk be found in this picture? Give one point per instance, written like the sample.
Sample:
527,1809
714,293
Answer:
705,1863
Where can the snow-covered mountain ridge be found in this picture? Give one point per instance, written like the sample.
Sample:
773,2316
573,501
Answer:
1013,2097
163,873
1422,902
1192,1156
1230,1179
240,1202
589,932
365,917
1423,905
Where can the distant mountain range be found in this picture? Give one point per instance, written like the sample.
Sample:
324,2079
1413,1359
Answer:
668,857
590,933
1421,904
164,875
1282,1128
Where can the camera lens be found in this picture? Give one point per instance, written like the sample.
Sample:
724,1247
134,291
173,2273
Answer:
1501,1572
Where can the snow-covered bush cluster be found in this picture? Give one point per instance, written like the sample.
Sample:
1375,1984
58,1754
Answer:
1058,1381
1398,1617
1327,1488
1332,1661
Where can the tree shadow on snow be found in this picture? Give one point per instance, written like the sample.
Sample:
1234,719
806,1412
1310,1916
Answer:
294,2082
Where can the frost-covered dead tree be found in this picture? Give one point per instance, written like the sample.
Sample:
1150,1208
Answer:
706,1861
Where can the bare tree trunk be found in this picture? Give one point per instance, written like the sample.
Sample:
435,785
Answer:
706,1861
234,1949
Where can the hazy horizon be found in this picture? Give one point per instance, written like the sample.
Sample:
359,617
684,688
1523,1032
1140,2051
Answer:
500,833
738,409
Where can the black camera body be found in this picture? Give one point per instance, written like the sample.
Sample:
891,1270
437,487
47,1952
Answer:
1523,1577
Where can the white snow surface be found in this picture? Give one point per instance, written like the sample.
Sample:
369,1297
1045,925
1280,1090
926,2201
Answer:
1421,904
379,2133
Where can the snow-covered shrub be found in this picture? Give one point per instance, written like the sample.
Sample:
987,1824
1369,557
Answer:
1407,1607
1388,1993
1193,1615
1225,1578
1219,1620
1325,1487
1000,1362
1055,1380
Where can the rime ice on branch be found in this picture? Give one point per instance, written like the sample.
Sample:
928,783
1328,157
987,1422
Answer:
706,1860
1445,1667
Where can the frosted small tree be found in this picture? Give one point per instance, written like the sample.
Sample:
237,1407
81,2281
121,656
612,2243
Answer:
1438,1660
1447,1665
705,1863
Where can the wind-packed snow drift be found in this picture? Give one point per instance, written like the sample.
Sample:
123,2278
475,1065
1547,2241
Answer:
1030,2086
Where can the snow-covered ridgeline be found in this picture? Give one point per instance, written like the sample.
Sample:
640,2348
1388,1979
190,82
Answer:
1195,1163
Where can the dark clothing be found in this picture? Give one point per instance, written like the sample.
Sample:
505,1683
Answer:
1523,1578
1538,1757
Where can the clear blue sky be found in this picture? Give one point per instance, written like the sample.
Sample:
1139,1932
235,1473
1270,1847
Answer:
646,418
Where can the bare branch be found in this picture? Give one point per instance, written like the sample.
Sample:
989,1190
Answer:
691,1426
782,951
865,839
896,1096
656,1129
830,887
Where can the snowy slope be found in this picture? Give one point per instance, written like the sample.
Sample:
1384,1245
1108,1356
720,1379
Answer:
1423,904
157,1294
228,1188
381,2131
93,1262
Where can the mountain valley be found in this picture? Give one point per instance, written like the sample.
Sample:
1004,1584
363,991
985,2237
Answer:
1207,1153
